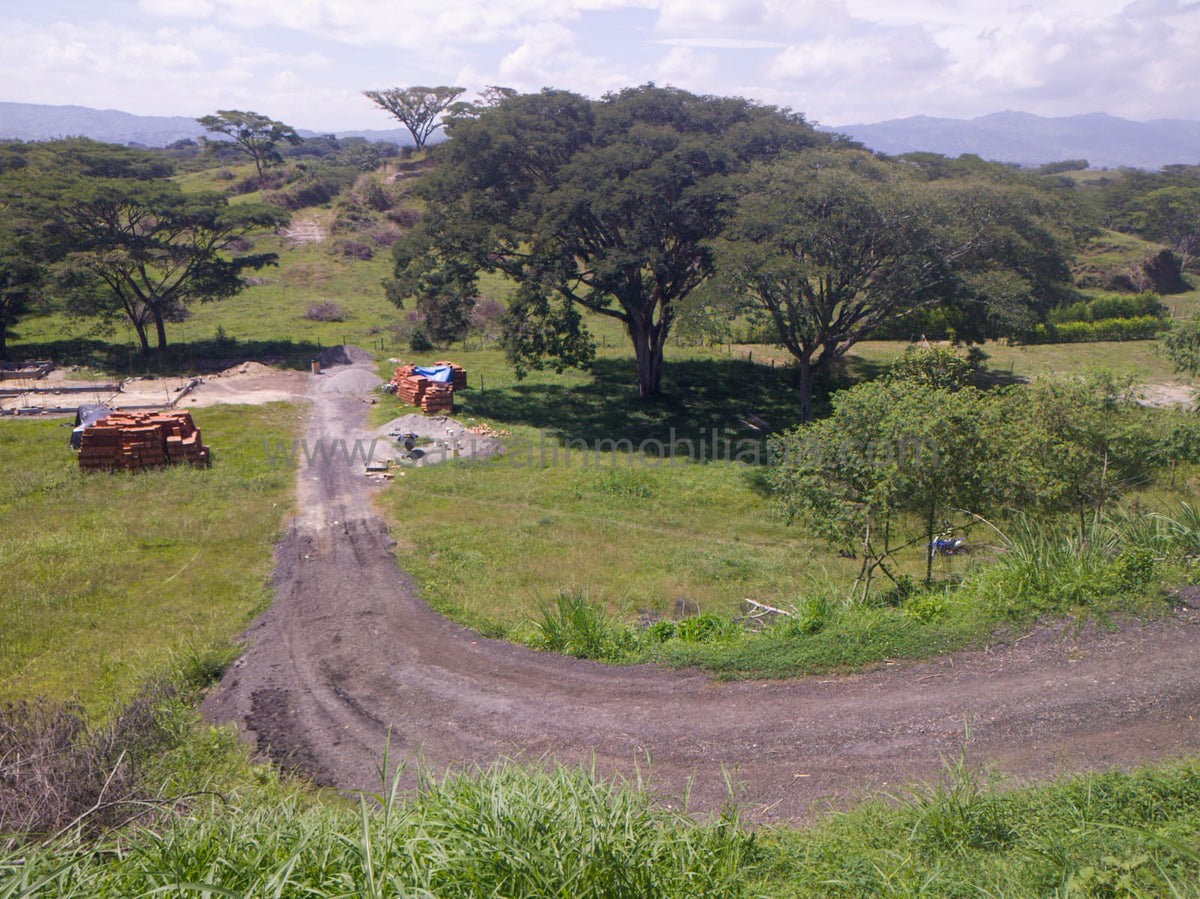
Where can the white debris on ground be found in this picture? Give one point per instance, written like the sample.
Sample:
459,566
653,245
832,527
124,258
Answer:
439,438
1162,396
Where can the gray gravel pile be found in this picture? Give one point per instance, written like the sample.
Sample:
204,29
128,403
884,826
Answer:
350,380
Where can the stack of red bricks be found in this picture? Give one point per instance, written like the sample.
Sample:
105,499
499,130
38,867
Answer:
135,440
412,389
404,371
460,374
438,398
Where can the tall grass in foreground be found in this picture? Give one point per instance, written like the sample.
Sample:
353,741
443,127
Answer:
1099,836
509,831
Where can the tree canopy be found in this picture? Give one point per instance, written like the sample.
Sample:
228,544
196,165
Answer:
600,205
419,108
256,134
147,251
832,245
1172,215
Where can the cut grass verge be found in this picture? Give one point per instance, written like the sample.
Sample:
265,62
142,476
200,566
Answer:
107,575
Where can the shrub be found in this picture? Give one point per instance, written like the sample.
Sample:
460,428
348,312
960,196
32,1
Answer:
385,237
403,216
325,312
352,249
56,771
418,340
1110,306
369,192
1145,327
575,625
266,181
943,368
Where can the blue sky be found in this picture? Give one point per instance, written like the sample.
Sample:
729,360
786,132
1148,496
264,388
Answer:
307,61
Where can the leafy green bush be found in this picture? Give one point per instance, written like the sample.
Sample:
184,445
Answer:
943,368
1145,327
1109,306
575,625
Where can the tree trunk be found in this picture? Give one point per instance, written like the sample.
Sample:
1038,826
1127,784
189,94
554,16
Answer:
140,329
648,348
929,522
161,330
806,387
3,340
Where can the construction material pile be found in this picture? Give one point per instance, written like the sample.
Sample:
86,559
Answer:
430,388
488,431
136,440
411,389
438,398
459,380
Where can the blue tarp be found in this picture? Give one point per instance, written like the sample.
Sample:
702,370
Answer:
443,374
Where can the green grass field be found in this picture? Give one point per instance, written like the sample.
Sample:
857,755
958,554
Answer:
107,576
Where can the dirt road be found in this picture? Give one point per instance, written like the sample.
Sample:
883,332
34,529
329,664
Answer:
348,652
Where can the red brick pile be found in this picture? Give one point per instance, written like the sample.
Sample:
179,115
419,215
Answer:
412,389
460,374
404,371
431,396
135,440
438,398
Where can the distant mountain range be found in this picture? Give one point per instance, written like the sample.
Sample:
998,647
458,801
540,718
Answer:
1105,141
31,121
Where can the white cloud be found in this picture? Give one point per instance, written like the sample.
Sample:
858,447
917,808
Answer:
684,67
181,9
838,60
549,55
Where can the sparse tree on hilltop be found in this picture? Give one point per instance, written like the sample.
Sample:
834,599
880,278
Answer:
419,108
256,134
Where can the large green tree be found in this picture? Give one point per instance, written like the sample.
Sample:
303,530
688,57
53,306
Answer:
1172,215
256,134
419,108
604,206
831,246
145,250
21,276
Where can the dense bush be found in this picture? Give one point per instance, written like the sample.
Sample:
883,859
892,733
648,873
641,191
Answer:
353,249
325,312
1110,306
404,217
1146,327
57,771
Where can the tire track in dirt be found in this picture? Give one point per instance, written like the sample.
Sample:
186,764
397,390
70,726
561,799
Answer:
349,653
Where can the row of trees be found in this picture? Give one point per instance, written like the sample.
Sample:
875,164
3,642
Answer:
105,229
627,206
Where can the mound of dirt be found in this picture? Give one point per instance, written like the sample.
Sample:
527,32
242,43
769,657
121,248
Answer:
352,380
346,355
248,368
